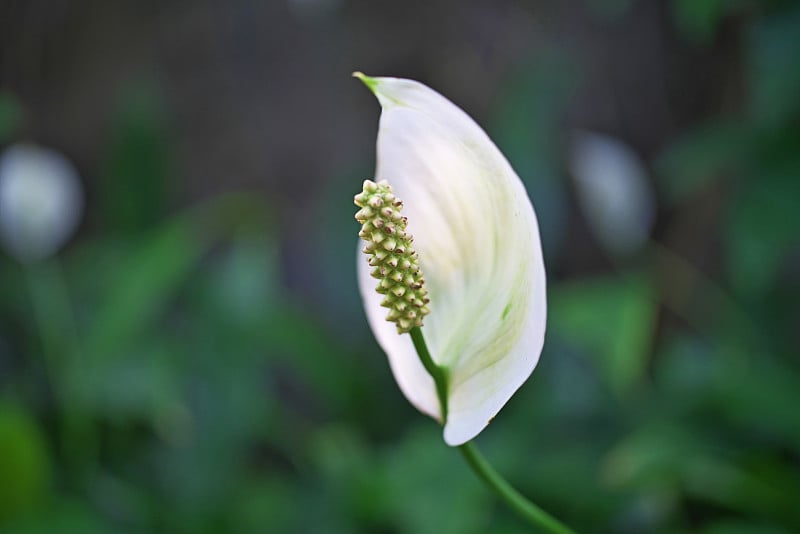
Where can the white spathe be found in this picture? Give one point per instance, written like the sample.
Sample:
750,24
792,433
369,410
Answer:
40,201
479,249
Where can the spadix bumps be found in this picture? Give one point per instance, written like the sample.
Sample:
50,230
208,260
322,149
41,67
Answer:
393,262
477,240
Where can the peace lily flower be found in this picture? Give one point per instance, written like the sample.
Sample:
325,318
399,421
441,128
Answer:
40,201
473,267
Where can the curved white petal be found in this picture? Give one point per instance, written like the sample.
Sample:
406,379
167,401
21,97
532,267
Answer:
478,243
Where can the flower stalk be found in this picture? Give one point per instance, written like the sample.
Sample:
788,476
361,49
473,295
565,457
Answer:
521,505
438,373
513,498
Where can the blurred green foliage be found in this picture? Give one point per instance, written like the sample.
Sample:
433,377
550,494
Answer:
24,460
620,337
160,375
9,115
137,169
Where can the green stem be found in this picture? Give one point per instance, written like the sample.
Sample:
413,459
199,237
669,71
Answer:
55,322
439,374
525,508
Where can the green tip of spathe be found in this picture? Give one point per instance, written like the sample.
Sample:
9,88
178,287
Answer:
371,83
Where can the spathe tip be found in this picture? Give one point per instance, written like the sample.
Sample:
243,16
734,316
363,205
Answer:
371,83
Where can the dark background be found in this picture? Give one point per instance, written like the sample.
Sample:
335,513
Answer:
195,359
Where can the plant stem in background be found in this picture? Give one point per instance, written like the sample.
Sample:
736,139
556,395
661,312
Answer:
55,324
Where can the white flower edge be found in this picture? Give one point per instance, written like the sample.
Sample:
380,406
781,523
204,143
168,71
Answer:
478,242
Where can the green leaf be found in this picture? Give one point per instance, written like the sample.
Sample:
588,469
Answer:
24,463
430,489
762,229
62,515
652,456
133,189
244,286
708,153
611,318
773,74
698,19
144,282
743,527
760,397
140,381
766,492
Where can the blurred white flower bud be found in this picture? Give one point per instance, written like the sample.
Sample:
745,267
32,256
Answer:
613,191
40,201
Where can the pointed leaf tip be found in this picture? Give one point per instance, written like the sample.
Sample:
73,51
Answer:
371,83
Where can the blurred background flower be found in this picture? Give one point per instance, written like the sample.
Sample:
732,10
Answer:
40,201
193,356
613,191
